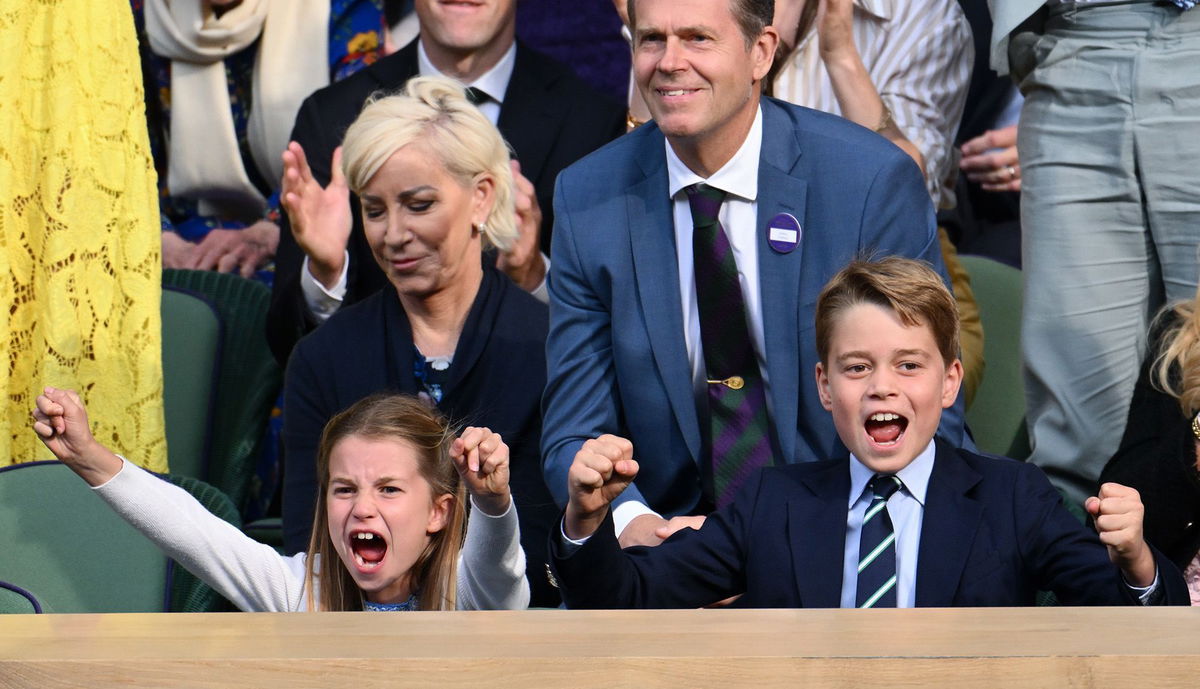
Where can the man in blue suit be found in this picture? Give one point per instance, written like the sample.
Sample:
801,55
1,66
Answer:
903,521
804,192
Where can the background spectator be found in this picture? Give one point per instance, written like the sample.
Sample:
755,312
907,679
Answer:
224,82
1110,216
547,115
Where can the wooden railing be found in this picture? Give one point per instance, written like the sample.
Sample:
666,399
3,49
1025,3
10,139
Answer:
1035,647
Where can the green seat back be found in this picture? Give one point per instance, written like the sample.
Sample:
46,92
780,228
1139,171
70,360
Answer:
249,380
16,600
63,544
997,414
191,340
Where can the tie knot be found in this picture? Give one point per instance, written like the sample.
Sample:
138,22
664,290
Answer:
476,96
705,202
884,485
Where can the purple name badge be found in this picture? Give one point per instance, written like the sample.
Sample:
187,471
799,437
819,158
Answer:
783,233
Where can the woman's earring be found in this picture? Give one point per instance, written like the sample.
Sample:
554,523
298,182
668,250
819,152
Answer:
479,228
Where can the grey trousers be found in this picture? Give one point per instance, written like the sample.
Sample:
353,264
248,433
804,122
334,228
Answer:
1109,143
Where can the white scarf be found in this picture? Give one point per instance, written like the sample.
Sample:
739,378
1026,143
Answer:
292,62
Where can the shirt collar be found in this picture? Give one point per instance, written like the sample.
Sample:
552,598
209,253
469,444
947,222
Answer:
738,177
915,476
493,82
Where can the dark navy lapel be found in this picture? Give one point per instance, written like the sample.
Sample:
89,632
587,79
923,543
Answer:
393,71
948,528
780,191
656,270
531,116
816,528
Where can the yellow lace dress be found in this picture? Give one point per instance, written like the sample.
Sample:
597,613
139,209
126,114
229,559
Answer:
79,229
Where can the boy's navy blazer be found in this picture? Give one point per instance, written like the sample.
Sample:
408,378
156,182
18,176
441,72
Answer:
994,533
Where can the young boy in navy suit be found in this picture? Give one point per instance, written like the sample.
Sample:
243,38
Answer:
903,521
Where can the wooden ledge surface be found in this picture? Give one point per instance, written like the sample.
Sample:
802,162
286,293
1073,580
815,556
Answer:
1050,647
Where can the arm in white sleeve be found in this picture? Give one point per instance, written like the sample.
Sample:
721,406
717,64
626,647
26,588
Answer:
323,302
250,574
491,567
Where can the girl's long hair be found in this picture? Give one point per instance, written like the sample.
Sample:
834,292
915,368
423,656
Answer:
1177,364
435,574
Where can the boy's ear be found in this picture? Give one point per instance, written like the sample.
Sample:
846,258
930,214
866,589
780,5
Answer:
823,388
439,514
950,384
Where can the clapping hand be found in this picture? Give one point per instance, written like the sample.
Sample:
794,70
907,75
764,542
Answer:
320,216
522,262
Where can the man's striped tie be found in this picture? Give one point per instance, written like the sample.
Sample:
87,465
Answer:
739,434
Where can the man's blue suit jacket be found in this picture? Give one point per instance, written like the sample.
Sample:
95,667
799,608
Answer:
616,357
994,533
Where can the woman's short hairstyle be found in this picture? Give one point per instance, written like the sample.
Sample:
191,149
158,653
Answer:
1176,368
434,111
909,288
435,573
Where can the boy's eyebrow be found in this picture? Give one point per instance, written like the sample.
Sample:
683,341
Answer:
853,355
859,354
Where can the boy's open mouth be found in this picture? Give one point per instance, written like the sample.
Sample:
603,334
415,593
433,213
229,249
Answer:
885,428
369,548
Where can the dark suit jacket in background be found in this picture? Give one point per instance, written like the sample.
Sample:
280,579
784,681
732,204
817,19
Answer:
549,117
496,380
994,533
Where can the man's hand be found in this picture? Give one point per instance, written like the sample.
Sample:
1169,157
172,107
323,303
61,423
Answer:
61,422
678,523
991,160
481,458
651,529
242,250
603,468
1118,515
320,216
176,251
523,261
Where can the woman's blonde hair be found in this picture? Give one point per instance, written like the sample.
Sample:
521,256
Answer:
435,574
1176,368
436,112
